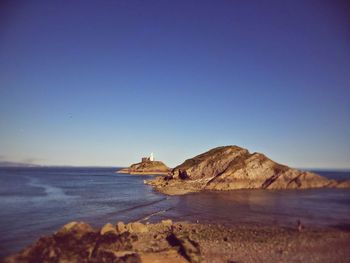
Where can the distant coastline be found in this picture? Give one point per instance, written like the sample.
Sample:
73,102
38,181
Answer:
127,171
17,164
5,164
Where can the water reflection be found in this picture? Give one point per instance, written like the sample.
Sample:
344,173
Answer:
314,207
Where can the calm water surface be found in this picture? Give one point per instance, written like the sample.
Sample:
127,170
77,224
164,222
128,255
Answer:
37,201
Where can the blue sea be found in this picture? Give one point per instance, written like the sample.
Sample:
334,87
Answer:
38,201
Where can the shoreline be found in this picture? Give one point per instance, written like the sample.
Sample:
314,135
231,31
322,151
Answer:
166,241
232,167
141,173
221,238
178,187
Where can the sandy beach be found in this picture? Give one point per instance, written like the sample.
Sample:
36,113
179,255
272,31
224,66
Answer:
188,242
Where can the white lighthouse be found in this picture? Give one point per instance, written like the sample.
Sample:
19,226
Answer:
151,158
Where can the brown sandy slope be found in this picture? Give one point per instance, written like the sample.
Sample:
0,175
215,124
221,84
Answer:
233,167
185,242
150,167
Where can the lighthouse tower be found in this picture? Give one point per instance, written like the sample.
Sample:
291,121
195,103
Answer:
151,158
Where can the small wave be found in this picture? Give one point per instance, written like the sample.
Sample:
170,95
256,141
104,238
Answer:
51,192
140,205
154,214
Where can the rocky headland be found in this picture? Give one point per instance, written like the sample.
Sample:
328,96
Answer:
233,167
148,167
186,242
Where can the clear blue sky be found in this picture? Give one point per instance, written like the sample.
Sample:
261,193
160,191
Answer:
105,82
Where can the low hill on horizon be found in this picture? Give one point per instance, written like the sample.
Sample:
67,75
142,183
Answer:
148,167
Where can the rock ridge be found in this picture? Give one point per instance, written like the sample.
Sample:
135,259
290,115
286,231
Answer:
233,167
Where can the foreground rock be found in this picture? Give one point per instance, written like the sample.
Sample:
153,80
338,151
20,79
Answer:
186,242
148,167
233,167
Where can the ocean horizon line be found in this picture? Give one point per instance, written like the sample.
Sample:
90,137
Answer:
23,165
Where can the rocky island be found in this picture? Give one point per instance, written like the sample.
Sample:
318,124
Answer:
233,167
147,166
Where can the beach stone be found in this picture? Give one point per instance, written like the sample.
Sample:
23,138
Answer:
108,228
76,228
167,222
137,227
188,248
67,227
121,227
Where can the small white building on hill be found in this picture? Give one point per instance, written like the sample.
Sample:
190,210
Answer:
148,159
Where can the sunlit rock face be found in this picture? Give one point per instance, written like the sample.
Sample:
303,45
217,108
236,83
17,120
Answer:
233,167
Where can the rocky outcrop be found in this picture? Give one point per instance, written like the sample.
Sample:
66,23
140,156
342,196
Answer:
79,242
233,167
149,167
182,242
